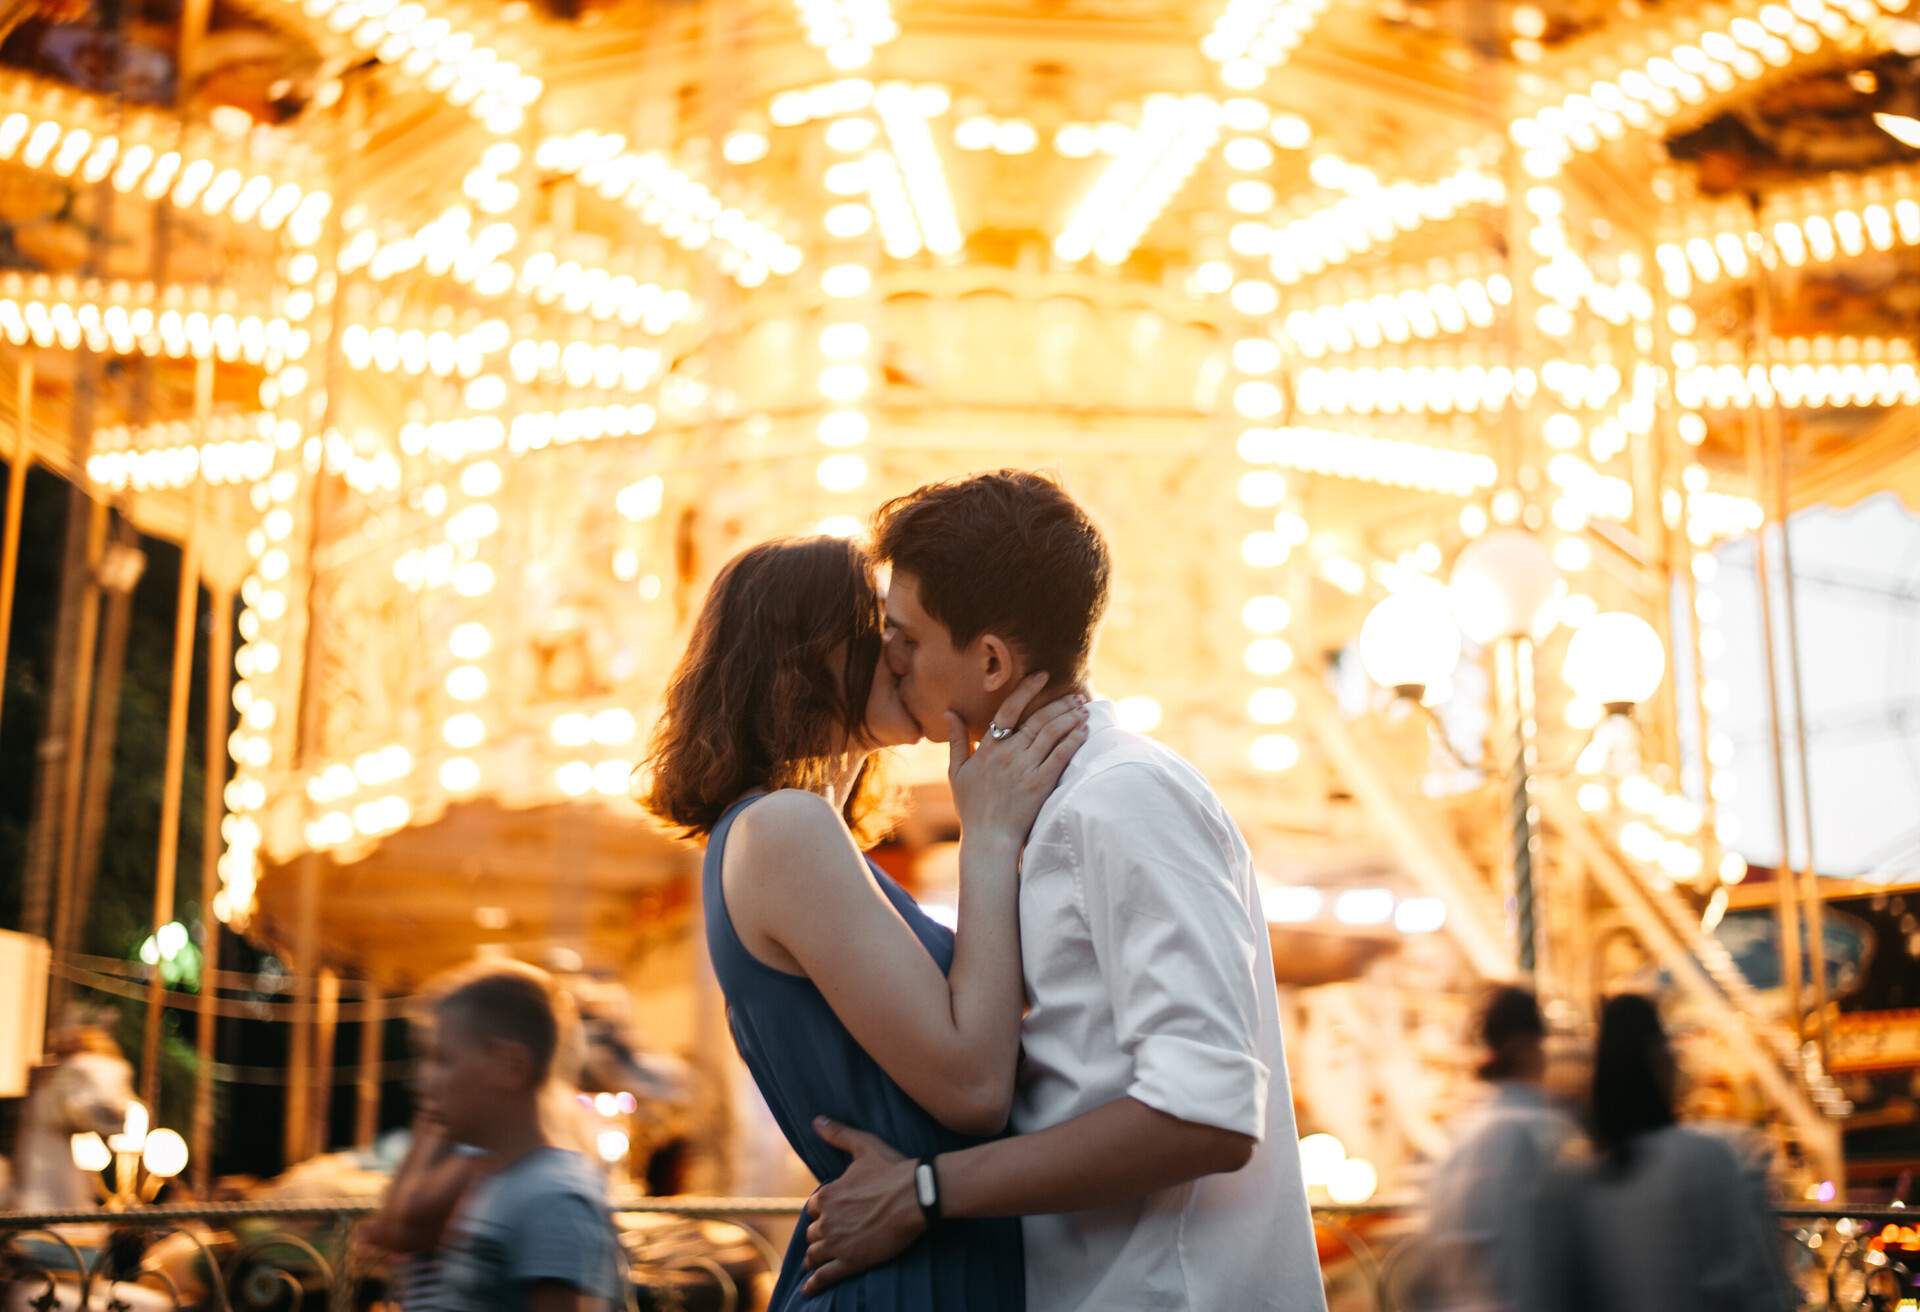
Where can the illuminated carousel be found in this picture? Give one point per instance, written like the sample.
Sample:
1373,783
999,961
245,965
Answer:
460,345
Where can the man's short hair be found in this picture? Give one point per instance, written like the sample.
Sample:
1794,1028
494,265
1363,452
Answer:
1008,553
1509,1019
505,1000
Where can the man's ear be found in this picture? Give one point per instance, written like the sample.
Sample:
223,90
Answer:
512,1060
1002,665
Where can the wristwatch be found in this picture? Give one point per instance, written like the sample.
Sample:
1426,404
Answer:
926,1189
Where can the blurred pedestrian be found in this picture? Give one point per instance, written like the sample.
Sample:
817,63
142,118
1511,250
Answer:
531,1233
1482,1202
1663,1219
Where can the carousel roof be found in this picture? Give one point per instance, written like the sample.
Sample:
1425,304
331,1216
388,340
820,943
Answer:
471,338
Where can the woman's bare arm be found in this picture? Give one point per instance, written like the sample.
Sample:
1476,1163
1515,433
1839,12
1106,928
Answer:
794,876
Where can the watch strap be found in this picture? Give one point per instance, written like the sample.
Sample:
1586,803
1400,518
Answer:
928,1197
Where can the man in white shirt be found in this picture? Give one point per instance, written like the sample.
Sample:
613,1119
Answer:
1156,1162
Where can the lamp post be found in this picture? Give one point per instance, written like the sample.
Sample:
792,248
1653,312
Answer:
142,1160
1502,595
1504,586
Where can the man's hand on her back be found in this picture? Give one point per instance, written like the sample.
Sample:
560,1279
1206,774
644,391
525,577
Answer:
867,1216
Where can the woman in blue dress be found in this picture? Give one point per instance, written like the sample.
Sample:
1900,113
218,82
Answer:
845,999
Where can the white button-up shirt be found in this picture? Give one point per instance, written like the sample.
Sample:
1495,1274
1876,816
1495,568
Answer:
1149,975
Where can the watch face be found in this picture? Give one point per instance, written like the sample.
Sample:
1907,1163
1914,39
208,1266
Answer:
923,1184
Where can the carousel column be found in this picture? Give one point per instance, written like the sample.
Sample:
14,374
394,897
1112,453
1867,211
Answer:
325,1029
166,863
373,1033
71,753
306,386
1776,505
17,470
213,806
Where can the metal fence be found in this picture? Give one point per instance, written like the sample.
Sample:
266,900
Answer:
698,1254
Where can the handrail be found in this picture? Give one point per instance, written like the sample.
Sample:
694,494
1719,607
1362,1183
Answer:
1837,1265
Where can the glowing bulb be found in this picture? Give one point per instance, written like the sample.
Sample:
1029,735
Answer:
841,473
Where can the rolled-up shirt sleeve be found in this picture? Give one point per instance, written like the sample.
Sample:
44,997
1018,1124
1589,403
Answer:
1174,936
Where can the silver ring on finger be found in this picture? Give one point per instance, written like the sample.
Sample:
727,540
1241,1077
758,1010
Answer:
998,732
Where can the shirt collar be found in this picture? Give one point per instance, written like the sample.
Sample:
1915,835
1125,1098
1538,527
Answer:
1518,1093
1101,713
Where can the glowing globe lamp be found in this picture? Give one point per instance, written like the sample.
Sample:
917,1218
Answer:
1616,660
1504,585
1409,642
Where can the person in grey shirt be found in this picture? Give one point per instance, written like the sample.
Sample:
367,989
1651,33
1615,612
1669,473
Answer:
533,1233
1666,1218
1483,1201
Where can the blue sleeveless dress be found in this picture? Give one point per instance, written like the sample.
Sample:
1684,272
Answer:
807,1065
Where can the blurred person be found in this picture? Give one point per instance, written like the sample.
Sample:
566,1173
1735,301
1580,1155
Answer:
1664,1217
433,1177
844,997
1157,1160
531,1230
1483,1200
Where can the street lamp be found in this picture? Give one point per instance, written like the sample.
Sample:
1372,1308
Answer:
1410,642
1614,661
142,1160
1504,585
1503,594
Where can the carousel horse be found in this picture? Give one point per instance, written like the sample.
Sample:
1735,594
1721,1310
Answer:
86,1086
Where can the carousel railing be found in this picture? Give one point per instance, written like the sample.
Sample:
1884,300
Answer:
300,1257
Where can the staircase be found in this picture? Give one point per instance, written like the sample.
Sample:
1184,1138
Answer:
1426,845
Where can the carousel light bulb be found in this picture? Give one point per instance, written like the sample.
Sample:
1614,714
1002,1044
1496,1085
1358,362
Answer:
1266,614
1615,659
165,1154
464,731
614,726
459,774
1504,585
744,147
1353,1182
1272,706
90,1152
1272,753
841,473
1320,1156
1410,642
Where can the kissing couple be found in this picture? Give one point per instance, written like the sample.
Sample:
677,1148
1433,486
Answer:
1075,1100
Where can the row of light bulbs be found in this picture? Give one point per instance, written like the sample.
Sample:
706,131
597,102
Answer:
680,206
1252,38
128,322
1390,462
1264,614
450,245
263,623
470,642
457,440
1175,134
846,342
1706,57
847,32
224,449
86,140
1405,389
1816,225
1443,306
1354,224
1729,386
449,61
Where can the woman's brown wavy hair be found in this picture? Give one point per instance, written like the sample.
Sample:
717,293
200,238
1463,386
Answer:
773,685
